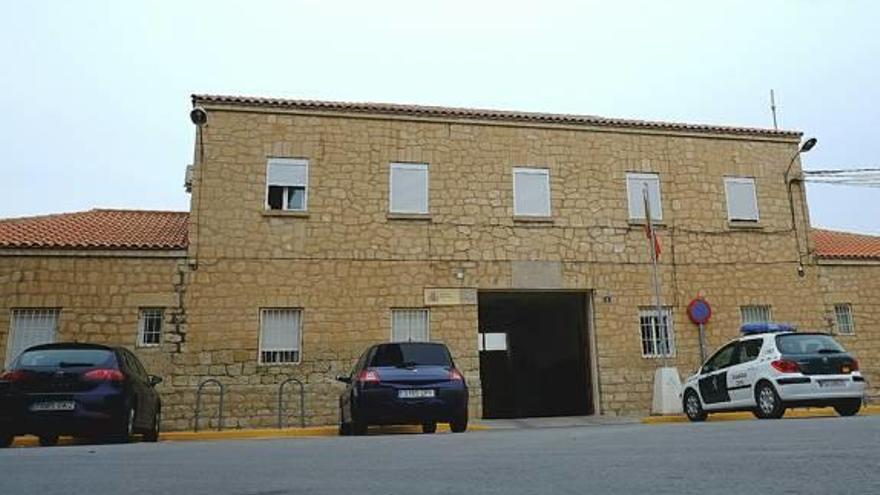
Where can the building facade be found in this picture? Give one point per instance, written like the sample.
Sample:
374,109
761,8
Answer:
317,229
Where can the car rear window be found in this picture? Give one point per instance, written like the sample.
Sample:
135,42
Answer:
805,343
411,355
67,358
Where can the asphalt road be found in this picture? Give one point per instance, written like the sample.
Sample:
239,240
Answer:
802,456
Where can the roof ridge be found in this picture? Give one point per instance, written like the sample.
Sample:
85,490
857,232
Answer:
845,232
484,113
137,210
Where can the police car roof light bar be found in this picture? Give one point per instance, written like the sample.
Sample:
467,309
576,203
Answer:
756,328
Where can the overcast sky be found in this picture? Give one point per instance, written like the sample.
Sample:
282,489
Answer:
94,96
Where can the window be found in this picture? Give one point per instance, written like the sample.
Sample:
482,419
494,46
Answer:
409,188
755,314
635,186
280,335
742,201
409,325
150,326
844,318
657,333
287,184
724,358
531,192
749,350
31,327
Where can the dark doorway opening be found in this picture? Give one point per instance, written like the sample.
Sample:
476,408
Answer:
534,354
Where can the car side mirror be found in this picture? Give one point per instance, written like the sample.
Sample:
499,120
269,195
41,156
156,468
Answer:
155,380
343,378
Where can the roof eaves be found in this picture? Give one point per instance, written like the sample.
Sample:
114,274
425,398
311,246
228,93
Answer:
481,114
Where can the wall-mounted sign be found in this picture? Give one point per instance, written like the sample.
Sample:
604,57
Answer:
492,341
435,296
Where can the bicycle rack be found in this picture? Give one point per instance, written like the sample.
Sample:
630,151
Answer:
302,402
199,403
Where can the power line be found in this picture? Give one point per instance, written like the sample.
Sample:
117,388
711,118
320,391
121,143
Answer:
859,177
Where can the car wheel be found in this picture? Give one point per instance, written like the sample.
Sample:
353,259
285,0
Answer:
126,429
459,424
769,404
848,407
6,440
693,407
344,428
358,426
429,427
49,440
153,434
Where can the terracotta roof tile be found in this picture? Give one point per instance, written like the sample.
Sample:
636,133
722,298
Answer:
833,244
481,114
98,229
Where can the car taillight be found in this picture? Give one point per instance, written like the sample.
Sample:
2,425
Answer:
15,376
786,366
368,376
850,367
103,375
455,375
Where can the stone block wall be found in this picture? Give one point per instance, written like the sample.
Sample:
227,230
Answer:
858,284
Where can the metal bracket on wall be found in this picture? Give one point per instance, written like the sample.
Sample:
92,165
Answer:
199,403
302,402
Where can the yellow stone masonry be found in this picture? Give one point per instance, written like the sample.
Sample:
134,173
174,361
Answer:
347,262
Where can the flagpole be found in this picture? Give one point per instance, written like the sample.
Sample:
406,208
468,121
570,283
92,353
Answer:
652,246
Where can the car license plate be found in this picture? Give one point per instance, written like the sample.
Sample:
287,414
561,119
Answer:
415,394
832,383
58,405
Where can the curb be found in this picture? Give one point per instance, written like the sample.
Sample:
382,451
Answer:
812,412
249,434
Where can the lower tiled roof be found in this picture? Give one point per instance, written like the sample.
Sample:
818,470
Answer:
846,245
98,229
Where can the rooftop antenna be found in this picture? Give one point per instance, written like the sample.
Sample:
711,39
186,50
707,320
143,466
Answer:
773,109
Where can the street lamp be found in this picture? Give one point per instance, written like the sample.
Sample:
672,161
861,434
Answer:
807,146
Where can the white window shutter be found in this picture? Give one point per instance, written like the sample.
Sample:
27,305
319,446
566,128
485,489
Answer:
280,331
287,172
409,325
742,203
531,192
409,188
31,327
635,185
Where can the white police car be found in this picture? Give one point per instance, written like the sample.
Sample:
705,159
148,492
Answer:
772,367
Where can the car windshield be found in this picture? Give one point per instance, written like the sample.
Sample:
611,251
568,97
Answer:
799,343
411,355
67,358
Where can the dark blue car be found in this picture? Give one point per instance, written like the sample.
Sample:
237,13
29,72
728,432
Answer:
403,383
83,390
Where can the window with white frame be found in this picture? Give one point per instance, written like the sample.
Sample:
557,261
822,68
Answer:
657,334
742,200
409,325
755,313
150,326
531,192
30,327
408,183
843,316
636,184
287,184
280,335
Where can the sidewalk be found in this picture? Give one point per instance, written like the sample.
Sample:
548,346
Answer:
812,412
250,434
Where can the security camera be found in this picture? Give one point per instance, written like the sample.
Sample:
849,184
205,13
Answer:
800,270
198,115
